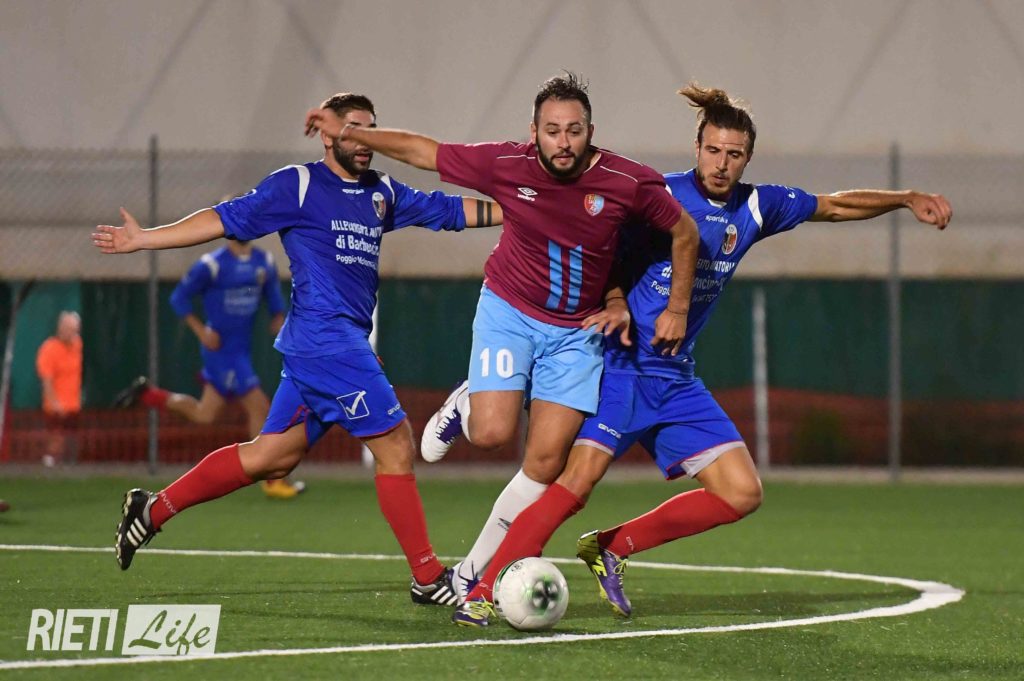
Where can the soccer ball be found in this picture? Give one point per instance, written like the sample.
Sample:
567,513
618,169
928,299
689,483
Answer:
531,594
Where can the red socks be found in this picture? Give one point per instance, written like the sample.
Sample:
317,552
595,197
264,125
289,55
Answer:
154,398
219,473
681,516
528,534
400,503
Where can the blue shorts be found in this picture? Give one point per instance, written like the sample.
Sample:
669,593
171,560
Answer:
348,389
678,422
230,374
512,351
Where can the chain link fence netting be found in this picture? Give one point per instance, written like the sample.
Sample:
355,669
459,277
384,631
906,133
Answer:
963,364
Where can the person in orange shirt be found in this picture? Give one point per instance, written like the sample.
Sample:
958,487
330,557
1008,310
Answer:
59,365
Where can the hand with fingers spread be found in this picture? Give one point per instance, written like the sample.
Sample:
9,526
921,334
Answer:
931,209
127,238
614,317
326,121
669,331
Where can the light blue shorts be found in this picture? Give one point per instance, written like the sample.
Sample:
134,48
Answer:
512,351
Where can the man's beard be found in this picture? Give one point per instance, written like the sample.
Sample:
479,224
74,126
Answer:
348,162
560,173
714,194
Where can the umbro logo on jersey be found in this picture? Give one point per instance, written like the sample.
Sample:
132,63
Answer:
354,405
527,194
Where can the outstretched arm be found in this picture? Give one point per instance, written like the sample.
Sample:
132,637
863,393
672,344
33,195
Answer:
480,213
198,228
861,204
670,326
417,150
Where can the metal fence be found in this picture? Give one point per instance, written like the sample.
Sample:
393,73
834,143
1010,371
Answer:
49,200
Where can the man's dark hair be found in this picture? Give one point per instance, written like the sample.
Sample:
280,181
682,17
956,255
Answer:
564,88
343,102
717,108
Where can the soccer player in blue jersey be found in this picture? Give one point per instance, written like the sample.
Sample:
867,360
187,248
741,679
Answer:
231,281
330,216
657,400
564,202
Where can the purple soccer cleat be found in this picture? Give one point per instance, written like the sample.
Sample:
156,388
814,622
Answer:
608,568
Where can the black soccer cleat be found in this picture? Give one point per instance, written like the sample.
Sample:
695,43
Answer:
440,592
129,397
135,529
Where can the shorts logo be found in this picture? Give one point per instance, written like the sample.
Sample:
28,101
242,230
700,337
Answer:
379,207
354,405
611,431
729,242
594,203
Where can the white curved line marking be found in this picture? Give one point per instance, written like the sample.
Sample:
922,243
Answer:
931,595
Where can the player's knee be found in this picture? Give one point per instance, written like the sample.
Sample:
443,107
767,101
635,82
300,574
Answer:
543,468
490,435
746,497
205,416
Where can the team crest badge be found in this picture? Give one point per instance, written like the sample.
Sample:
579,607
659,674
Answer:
379,207
261,276
729,242
594,203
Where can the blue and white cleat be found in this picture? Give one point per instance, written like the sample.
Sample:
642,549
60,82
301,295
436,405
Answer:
608,568
463,580
444,427
475,613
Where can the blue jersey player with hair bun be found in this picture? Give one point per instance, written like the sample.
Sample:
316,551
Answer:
656,399
330,216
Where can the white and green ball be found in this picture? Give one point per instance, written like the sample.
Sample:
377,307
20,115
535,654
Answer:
531,594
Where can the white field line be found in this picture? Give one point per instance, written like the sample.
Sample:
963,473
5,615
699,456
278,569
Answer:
930,595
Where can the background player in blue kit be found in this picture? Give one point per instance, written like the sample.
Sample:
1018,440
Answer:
656,399
231,281
330,216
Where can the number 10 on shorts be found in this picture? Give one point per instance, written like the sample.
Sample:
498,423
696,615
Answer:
503,364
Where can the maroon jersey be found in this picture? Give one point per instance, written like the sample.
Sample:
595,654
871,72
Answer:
560,236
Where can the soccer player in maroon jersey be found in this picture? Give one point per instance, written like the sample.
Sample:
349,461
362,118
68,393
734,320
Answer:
658,401
564,201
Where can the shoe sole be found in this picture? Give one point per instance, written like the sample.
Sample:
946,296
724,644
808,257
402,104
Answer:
434,420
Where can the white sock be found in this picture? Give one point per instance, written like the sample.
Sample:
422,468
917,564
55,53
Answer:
519,493
462,404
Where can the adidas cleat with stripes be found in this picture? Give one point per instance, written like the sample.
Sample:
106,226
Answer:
608,568
474,613
440,592
135,529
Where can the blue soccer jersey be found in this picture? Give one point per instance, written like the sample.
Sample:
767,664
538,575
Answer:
331,230
231,289
727,231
